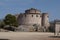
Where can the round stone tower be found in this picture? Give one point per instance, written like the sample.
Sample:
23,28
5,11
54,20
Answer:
45,20
30,17
33,17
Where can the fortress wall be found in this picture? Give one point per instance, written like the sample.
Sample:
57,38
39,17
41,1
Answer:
38,11
45,19
33,16
30,19
32,11
20,19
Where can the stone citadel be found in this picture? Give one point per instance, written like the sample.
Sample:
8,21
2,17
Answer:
32,19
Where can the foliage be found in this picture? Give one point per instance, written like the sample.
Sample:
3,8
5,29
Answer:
36,27
40,29
10,20
2,24
51,29
31,29
10,28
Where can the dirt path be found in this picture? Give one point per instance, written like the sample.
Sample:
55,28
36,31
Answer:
27,36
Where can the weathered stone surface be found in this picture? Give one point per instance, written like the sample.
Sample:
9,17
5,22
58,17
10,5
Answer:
33,16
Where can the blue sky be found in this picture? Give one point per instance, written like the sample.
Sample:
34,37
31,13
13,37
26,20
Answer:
16,6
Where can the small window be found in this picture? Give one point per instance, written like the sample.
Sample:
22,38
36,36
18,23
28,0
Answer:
36,15
32,15
40,16
25,15
47,16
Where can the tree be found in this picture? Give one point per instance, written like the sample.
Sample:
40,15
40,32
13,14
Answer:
10,20
2,24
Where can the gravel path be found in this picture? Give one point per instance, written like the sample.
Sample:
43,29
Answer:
27,36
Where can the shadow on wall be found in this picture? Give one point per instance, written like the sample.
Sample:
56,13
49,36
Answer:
51,29
54,36
4,39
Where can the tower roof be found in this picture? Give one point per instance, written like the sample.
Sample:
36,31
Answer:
32,10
